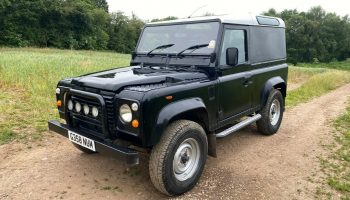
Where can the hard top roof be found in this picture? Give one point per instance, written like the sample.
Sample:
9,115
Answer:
251,20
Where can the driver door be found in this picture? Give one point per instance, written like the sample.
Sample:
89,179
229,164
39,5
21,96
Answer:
234,90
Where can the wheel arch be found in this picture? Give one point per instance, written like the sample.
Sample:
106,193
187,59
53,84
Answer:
273,83
192,109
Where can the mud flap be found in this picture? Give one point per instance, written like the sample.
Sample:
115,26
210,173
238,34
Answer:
212,145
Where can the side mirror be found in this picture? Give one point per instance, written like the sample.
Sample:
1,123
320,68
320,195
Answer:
232,56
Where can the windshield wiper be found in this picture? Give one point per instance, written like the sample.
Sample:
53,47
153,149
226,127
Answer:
160,47
193,48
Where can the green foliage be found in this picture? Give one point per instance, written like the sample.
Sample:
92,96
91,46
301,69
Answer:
6,135
341,186
124,32
78,24
70,24
315,35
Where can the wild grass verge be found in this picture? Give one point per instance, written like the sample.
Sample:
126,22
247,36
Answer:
336,166
316,85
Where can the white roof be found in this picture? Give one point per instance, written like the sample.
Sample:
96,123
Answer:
228,19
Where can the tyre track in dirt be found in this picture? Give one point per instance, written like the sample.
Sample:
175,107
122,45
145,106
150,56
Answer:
249,165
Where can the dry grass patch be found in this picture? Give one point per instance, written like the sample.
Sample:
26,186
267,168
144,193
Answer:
316,85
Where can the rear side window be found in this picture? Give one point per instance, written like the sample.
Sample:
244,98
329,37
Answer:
269,44
268,21
234,38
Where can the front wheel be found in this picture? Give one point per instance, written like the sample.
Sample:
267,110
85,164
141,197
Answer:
271,114
177,161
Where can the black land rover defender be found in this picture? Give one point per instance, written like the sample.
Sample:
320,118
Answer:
190,81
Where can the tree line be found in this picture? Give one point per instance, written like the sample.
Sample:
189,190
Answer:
315,35
312,36
69,24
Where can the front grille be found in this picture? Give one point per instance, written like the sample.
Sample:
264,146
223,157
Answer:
87,123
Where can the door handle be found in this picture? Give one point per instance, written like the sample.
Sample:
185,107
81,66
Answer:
247,83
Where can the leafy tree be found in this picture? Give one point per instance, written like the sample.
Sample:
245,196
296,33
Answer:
311,36
78,24
124,32
315,35
101,4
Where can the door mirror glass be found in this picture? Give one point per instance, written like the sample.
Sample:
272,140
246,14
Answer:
232,56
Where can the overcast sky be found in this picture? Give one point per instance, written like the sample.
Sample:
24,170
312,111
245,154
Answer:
150,9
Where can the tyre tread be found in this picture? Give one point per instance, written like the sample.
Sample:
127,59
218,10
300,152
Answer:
159,151
263,124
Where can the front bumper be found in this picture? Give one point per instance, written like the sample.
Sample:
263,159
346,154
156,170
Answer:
131,156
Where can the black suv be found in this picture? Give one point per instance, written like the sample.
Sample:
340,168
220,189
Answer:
190,81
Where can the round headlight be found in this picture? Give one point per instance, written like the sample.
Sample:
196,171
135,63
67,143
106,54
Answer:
70,105
86,109
58,90
94,111
134,106
77,107
125,113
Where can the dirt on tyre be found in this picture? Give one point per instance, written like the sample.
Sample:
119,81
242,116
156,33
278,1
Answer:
83,149
177,161
271,113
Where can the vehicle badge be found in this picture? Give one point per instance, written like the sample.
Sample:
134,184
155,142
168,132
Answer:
211,44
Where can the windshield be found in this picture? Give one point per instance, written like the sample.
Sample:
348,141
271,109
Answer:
181,35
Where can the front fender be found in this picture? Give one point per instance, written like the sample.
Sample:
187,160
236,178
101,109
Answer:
172,110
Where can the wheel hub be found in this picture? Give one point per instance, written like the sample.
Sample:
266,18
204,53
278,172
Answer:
186,159
275,112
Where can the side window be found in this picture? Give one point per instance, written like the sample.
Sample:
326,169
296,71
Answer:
234,38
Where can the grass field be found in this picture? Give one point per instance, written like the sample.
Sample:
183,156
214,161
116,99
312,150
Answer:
28,79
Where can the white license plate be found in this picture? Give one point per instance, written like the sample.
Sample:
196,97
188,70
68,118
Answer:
81,140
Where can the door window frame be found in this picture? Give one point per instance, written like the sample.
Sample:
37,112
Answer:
246,46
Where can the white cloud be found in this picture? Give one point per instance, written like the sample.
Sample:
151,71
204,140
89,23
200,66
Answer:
149,9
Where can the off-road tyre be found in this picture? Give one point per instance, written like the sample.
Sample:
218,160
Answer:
266,125
161,164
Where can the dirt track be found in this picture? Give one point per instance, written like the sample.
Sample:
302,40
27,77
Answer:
249,166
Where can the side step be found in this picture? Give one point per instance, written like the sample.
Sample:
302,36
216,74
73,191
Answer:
238,126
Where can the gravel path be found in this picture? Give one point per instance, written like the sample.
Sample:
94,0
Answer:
249,165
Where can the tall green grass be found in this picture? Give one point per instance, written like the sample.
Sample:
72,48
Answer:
35,72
